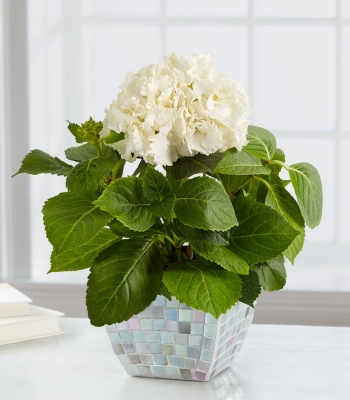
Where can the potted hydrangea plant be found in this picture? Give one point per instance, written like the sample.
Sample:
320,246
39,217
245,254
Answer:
185,243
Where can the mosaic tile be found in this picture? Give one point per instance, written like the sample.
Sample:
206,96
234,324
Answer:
167,337
195,340
158,312
181,350
171,340
184,327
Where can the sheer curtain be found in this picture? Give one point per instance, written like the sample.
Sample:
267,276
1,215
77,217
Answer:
292,56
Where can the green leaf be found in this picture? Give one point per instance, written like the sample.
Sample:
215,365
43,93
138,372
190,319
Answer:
190,234
202,286
202,203
188,166
251,288
124,199
83,256
240,163
221,255
38,162
121,230
295,247
71,222
157,190
155,185
113,137
261,143
86,176
233,183
282,201
88,151
165,292
272,274
307,185
124,280
73,129
262,232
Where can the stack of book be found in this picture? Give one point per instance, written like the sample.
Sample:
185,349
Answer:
20,320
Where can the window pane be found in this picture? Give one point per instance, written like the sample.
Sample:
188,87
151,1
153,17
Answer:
113,8
344,194
108,53
214,40
345,80
295,8
294,80
200,8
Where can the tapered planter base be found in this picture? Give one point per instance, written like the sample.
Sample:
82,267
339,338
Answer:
170,340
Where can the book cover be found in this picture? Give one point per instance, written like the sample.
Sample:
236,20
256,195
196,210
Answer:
42,322
12,301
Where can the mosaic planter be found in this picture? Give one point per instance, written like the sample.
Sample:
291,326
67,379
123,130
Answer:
170,340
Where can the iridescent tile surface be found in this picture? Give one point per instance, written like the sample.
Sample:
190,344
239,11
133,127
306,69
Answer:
170,340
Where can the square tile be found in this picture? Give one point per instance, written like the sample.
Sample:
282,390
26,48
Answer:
180,350
195,340
159,324
167,338
155,348
139,336
197,328
171,314
176,361
210,330
153,337
134,358
157,312
142,348
126,336
194,352
160,359
185,315
146,324
181,339
129,347
146,359
172,326
184,327
167,349
190,363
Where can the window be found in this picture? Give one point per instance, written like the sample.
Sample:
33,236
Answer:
292,57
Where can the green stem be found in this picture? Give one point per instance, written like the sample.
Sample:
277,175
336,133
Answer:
263,181
98,148
278,162
170,240
178,254
117,170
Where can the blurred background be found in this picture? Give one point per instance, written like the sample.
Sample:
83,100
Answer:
64,59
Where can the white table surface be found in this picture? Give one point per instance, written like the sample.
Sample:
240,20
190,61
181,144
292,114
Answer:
276,362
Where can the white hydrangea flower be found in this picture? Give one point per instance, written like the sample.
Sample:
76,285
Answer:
178,108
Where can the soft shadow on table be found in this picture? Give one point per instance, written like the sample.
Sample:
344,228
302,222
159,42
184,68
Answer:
224,386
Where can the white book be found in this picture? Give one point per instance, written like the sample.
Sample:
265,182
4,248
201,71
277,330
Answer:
41,323
12,301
